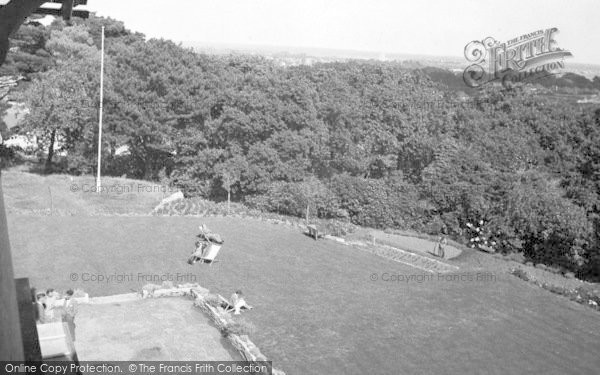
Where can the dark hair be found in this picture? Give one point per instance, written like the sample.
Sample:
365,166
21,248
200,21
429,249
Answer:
40,295
70,292
49,291
238,292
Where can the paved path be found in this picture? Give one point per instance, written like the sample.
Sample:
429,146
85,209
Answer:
413,244
420,262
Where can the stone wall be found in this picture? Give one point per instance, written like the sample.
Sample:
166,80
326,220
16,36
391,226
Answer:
219,317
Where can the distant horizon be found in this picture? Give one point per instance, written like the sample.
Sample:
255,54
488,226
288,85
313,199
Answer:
421,28
292,48
257,48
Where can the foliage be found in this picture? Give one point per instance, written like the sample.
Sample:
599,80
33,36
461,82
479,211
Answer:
293,198
585,295
7,156
239,327
378,203
212,300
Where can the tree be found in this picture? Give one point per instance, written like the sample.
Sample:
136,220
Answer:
60,101
230,174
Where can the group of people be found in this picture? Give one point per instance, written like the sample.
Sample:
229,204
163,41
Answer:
205,239
53,307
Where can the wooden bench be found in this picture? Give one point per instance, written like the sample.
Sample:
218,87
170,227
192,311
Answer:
313,231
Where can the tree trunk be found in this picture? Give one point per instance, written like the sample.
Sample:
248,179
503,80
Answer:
147,163
228,200
48,167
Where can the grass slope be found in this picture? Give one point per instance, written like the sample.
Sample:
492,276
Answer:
32,194
317,309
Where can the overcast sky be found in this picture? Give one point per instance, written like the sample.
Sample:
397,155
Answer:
441,27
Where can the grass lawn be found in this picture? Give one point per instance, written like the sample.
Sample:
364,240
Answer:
317,309
32,194
163,329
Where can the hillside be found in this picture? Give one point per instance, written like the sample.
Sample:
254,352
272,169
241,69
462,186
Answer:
62,195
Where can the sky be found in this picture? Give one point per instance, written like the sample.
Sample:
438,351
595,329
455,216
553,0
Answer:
422,27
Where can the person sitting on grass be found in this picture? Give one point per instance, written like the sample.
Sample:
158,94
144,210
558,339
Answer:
238,302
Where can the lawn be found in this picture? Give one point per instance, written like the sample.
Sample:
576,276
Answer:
127,331
60,195
317,309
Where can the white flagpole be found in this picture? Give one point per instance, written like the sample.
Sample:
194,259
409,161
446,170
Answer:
100,115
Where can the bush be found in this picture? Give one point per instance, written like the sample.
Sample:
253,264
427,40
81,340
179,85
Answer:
338,228
588,293
212,300
516,257
239,327
378,203
7,156
554,230
292,198
520,273
585,295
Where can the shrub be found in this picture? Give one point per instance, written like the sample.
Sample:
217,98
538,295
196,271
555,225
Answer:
516,257
339,228
212,300
239,327
167,284
150,288
292,198
7,155
378,203
520,273
590,294
554,230
586,295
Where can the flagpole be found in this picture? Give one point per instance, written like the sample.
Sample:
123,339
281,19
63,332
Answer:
98,184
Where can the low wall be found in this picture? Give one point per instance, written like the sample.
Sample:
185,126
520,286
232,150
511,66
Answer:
220,318
406,257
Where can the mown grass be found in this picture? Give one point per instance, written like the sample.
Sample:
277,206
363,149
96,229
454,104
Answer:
64,195
317,309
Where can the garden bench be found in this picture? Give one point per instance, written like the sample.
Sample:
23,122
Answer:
313,231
